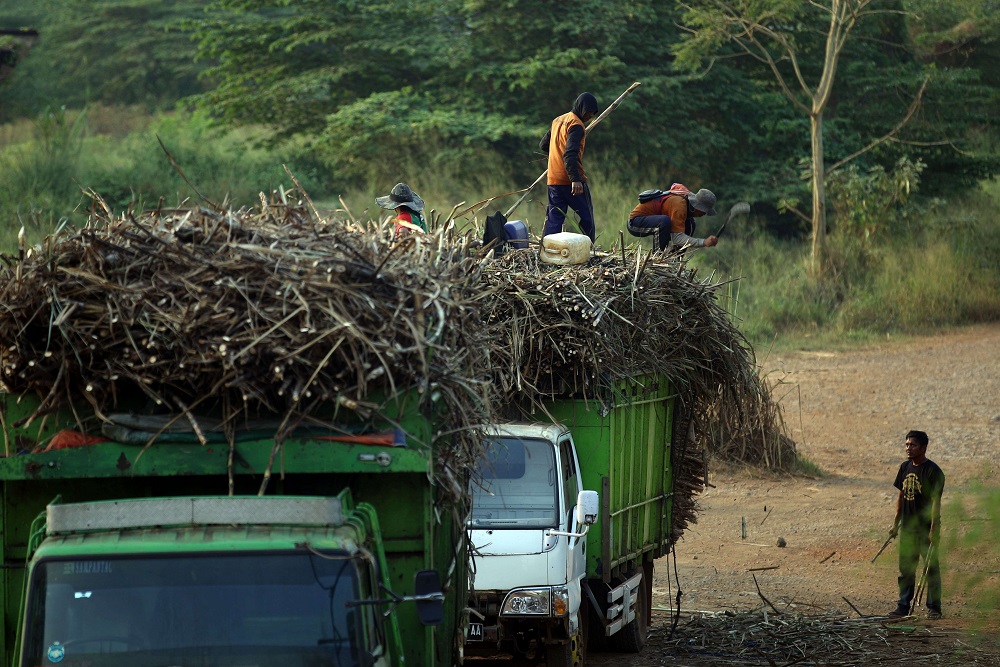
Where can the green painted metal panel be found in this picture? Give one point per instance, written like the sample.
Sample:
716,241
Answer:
394,481
203,540
624,449
114,460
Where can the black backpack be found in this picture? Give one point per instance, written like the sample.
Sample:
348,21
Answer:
496,231
650,195
678,189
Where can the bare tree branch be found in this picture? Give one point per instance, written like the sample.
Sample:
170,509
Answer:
886,137
802,216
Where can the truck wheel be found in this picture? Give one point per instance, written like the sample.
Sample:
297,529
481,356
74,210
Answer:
570,654
632,637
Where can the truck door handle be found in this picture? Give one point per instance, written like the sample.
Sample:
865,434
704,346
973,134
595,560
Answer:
552,532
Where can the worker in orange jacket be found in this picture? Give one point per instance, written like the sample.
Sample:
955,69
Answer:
568,189
670,217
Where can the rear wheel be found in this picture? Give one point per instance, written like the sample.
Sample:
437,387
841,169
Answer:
632,637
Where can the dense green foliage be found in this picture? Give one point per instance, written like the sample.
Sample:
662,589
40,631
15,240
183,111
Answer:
108,51
380,89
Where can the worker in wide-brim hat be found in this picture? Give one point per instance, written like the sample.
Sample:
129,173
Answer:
669,217
409,210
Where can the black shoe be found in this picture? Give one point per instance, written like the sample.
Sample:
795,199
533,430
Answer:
898,613
934,614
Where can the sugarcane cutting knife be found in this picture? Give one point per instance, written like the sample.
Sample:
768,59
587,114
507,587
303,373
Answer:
739,208
891,535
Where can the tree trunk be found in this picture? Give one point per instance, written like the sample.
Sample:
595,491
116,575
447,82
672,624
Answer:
818,193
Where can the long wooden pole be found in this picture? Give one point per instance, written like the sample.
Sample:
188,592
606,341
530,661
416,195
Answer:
590,127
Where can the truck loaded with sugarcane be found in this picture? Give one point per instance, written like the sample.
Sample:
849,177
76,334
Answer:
267,437
567,520
231,441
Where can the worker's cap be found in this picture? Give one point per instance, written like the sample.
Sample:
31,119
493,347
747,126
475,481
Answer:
401,195
703,200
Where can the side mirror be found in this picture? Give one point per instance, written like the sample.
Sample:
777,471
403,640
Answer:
588,506
430,600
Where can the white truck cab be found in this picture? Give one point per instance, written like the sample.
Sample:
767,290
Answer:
527,530
544,583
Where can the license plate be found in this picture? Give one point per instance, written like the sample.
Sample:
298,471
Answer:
475,633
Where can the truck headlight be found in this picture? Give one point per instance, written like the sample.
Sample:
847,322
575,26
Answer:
527,602
536,602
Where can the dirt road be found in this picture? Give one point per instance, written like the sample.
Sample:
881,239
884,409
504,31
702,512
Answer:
848,413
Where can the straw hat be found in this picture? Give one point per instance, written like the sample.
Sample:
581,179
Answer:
401,195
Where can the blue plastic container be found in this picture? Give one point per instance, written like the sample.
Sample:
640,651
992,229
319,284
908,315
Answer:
517,234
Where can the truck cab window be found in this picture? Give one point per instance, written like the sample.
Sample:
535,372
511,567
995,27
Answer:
285,610
514,485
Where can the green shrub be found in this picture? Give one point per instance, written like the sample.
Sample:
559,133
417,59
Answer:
970,536
43,176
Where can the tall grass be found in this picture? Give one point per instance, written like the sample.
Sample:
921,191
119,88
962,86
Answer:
941,270
46,166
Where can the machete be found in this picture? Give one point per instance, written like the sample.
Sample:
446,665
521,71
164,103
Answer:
891,535
739,208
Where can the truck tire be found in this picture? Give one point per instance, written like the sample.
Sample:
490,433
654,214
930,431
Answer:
570,654
632,638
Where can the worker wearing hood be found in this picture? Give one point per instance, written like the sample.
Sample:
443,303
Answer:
567,181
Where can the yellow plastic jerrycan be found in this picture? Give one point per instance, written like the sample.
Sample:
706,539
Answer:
565,248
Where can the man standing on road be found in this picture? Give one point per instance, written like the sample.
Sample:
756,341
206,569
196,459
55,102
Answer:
568,189
918,522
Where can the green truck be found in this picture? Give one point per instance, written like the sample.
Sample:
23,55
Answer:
136,554
568,516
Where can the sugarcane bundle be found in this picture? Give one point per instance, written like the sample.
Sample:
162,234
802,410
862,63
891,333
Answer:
278,310
578,329
237,313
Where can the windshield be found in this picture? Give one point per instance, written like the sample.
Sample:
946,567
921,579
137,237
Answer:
204,611
515,485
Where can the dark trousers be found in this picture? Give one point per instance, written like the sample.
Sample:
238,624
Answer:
912,549
657,226
561,199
